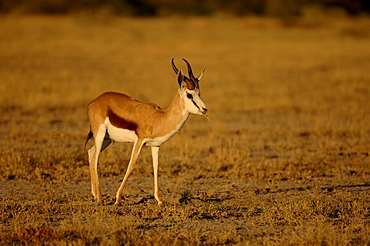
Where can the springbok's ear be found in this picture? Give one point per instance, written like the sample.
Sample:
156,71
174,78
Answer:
180,77
200,75
183,85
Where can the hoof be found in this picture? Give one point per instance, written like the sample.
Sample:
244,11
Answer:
160,201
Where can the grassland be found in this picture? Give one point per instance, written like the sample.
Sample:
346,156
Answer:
284,159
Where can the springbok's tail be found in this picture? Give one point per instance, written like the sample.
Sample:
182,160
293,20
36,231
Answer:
90,135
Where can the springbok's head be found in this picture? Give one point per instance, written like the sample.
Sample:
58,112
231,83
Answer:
189,90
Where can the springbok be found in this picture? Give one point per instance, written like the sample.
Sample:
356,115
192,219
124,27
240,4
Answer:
117,117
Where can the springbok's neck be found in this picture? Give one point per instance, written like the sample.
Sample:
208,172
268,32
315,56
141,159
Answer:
176,114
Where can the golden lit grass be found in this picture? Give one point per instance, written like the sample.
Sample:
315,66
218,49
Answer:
284,159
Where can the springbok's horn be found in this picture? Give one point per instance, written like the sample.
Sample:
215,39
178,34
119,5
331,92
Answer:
174,66
191,75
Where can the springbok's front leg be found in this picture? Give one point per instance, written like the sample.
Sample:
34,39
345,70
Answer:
155,168
134,154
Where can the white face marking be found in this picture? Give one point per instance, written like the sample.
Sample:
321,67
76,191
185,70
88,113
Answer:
118,134
193,103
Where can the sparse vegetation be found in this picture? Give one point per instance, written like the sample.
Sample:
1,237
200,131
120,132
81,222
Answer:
284,159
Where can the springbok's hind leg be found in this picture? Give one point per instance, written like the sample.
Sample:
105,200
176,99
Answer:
106,142
101,142
91,154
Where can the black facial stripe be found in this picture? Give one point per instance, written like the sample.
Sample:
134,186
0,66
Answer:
195,104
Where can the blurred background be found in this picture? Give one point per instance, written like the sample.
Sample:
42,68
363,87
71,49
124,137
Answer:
280,8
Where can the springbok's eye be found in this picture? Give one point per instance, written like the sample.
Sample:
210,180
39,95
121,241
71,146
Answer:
190,96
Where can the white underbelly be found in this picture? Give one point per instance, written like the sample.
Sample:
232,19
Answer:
118,134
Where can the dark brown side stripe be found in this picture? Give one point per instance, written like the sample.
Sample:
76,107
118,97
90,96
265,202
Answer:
119,122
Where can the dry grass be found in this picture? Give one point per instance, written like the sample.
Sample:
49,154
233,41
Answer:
284,159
